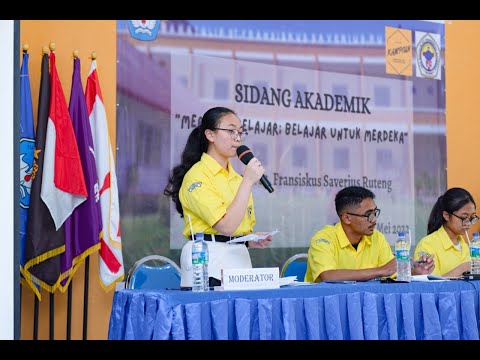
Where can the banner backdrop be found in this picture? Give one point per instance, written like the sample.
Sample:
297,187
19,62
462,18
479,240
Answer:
315,132
327,104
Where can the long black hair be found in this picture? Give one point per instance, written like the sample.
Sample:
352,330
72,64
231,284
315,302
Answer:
452,200
196,145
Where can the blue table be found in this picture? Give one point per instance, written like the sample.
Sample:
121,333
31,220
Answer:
368,310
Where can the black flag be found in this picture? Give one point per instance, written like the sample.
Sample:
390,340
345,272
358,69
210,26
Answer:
43,244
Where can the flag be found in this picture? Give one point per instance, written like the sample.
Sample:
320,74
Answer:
27,147
111,267
43,242
63,186
83,228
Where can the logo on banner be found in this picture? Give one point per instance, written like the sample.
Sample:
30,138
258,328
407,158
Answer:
428,55
144,30
398,51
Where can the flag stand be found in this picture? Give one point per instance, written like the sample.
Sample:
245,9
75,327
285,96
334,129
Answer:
69,311
52,316
85,298
35,318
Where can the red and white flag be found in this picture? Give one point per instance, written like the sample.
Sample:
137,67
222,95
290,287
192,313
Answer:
110,255
63,183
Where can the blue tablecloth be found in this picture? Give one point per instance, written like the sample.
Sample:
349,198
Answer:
368,310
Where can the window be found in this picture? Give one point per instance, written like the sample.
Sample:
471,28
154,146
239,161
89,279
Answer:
341,158
299,156
340,89
183,80
384,159
382,96
298,87
220,91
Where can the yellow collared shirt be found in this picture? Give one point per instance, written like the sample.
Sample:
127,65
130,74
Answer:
206,193
330,249
447,257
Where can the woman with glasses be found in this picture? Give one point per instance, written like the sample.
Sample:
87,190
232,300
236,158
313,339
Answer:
212,197
450,219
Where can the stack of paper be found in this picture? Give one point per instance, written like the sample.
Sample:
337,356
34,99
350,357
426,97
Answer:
428,277
287,280
292,281
252,237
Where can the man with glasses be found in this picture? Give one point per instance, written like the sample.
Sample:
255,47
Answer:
353,249
451,217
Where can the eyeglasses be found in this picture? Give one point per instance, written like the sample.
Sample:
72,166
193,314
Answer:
370,216
234,133
466,220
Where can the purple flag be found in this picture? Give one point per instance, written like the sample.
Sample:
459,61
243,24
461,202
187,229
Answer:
83,228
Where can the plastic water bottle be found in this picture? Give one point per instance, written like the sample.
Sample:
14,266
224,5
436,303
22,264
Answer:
200,263
402,254
206,283
475,253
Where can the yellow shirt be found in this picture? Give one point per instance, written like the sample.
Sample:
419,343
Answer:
447,256
207,191
330,249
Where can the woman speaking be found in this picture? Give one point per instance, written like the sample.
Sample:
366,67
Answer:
207,191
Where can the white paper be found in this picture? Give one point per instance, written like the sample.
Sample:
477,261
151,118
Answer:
420,278
301,283
287,280
428,277
252,237
292,281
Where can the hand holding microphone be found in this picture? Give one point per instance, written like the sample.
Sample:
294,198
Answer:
253,171
245,155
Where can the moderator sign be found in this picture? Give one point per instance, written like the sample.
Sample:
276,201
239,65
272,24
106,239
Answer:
249,279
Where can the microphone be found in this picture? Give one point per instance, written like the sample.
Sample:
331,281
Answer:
245,155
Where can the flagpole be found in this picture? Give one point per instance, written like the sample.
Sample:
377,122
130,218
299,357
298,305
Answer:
69,310
70,286
110,258
87,270
25,51
52,316
35,298
85,298
24,133
87,263
52,295
35,318
36,305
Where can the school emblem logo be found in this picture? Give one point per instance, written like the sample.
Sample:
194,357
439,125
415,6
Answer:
194,185
144,30
318,241
27,147
428,55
